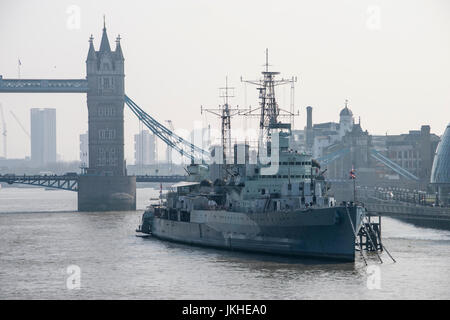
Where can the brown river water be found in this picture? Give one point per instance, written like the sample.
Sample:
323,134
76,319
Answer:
42,235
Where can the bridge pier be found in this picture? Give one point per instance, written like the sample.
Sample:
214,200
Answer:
106,193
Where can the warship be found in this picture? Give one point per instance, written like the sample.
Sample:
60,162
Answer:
277,205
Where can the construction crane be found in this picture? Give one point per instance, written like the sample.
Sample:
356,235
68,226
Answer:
20,124
4,131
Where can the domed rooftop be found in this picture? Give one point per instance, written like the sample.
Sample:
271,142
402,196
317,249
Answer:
346,111
440,172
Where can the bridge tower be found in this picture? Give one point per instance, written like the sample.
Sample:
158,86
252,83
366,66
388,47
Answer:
106,185
105,101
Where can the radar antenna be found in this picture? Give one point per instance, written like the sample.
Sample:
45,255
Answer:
269,111
225,113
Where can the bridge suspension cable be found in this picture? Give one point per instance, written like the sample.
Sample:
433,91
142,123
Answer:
392,165
182,146
329,158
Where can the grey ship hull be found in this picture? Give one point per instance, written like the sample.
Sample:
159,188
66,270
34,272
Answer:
319,233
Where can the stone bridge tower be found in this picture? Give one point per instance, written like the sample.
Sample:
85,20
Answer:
106,185
105,100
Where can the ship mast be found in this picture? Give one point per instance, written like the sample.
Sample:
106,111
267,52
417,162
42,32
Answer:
225,112
226,121
269,109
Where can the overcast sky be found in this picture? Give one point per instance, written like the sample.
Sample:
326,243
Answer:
390,58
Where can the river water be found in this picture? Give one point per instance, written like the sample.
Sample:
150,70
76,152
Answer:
41,235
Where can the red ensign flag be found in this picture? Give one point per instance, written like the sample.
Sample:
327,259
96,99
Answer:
352,174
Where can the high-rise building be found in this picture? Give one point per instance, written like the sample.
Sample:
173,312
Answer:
144,148
43,136
84,149
201,137
169,159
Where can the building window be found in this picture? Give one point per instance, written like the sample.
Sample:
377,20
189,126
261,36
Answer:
107,157
106,111
101,160
107,134
112,159
106,82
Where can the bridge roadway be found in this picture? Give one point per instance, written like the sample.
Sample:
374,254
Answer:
70,182
43,85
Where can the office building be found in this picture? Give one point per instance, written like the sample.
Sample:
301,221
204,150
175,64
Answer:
84,149
43,136
145,152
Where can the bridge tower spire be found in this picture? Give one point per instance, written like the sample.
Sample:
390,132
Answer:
91,54
104,44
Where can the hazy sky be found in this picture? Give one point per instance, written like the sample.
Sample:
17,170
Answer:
390,58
